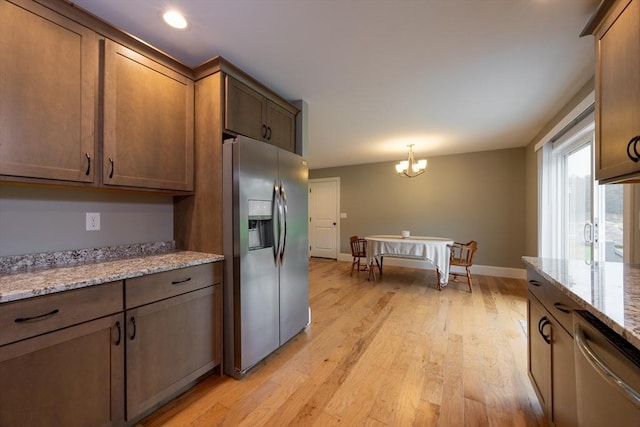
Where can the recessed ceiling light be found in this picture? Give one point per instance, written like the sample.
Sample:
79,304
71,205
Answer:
175,19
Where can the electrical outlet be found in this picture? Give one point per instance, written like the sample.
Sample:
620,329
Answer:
93,221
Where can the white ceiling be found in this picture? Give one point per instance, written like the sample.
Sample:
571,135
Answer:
450,76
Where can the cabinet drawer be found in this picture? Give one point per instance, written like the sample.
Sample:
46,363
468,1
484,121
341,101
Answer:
536,284
558,304
35,316
154,287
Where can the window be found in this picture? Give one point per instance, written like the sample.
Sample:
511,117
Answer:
580,219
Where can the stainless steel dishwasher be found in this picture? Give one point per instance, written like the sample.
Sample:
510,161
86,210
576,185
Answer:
607,375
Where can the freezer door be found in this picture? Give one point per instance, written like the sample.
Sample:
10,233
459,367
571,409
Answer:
255,302
294,269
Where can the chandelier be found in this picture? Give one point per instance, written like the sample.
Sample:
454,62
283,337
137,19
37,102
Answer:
411,168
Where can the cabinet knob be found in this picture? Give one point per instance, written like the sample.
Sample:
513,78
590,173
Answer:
634,156
534,282
268,133
264,131
111,173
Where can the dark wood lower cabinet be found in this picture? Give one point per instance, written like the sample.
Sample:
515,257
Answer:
550,351
71,377
564,406
170,343
539,351
88,362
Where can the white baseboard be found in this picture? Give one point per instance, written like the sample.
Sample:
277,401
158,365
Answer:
483,270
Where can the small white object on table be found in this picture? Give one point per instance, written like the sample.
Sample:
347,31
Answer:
432,249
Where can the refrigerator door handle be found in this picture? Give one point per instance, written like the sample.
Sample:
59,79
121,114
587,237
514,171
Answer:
283,227
275,219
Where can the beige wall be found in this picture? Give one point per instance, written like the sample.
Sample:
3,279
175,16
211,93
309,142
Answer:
531,175
474,196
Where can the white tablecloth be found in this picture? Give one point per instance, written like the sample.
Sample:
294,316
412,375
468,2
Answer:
432,249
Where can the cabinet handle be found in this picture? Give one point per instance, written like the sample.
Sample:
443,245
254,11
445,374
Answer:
561,307
264,131
36,318
269,133
541,324
111,173
88,164
534,282
132,321
633,156
177,282
119,333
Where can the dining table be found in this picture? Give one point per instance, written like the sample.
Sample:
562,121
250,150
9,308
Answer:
434,250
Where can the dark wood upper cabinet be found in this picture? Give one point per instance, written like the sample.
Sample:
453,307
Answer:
249,113
48,77
616,28
281,124
148,123
245,110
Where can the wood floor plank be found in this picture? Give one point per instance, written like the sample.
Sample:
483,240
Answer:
395,352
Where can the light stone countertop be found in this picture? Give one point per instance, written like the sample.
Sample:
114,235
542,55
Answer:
610,291
21,285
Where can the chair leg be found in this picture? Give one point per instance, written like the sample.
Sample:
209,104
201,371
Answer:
469,279
353,263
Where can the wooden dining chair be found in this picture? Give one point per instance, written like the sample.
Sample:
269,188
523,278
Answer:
461,255
360,259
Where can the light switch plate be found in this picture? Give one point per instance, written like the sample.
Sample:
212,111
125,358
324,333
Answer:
343,214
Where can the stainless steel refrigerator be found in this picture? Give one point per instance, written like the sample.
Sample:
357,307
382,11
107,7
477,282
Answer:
266,289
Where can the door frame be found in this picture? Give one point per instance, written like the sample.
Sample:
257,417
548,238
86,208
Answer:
335,179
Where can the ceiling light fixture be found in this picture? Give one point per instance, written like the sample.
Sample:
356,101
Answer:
411,168
175,19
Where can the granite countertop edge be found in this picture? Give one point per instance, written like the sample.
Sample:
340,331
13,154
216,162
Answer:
23,285
627,333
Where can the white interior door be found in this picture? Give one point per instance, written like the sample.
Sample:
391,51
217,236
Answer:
323,217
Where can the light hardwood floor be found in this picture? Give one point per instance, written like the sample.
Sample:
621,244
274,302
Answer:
397,352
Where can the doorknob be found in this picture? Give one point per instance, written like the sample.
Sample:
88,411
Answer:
334,223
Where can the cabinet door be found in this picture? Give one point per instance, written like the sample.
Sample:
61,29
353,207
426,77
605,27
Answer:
170,343
48,69
148,123
539,335
618,93
281,127
72,377
564,406
244,110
